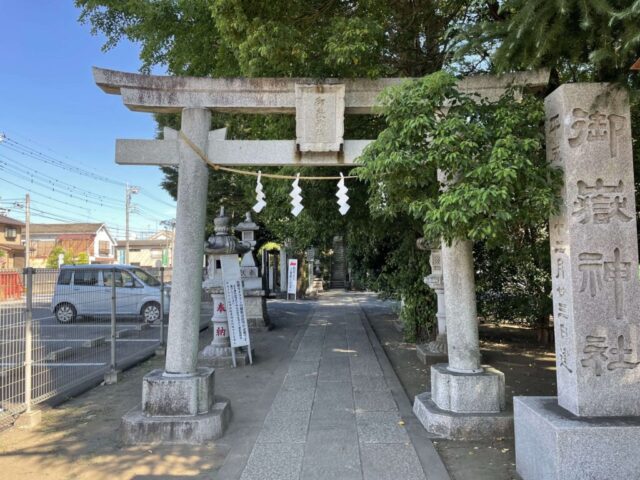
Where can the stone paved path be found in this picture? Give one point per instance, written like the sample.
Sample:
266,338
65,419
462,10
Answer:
335,416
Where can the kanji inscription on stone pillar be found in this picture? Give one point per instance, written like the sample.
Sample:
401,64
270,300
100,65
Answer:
594,251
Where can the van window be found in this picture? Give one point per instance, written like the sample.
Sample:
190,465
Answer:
150,280
122,278
65,277
85,277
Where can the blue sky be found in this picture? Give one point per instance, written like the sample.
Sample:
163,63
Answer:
51,106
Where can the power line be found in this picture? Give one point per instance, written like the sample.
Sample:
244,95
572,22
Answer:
36,154
55,184
45,214
143,212
87,197
43,157
66,219
39,193
37,179
55,181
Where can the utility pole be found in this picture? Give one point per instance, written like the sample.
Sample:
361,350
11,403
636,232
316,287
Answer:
128,192
27,234
172,225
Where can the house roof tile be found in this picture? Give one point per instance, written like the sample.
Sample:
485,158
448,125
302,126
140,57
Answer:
65,228
10,221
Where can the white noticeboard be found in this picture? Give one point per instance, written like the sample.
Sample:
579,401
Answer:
234,301
292,279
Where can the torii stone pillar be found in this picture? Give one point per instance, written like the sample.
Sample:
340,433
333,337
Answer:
462,339
467,399
191,212
178,404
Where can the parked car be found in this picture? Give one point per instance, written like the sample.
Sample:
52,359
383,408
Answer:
86,290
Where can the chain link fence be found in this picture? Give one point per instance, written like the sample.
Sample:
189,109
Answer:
66,330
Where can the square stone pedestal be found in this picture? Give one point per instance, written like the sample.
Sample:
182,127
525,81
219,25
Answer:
176,410
465,405
255,302
212,356
554,444
427,354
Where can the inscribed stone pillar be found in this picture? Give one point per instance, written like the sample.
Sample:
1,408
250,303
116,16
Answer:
596,299
184,316
594,252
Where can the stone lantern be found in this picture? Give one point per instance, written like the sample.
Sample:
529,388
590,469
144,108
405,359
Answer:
255,298
314,272
435,281
223,243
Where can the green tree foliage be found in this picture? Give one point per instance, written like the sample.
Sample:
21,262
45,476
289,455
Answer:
81,259
52,259
497,187
314,38
579,41
495,177
596,40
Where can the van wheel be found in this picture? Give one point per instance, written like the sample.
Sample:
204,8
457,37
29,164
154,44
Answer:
150,312
65,313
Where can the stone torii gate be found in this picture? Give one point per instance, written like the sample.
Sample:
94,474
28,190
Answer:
178,403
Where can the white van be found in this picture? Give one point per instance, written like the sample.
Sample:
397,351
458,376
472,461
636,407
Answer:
86,290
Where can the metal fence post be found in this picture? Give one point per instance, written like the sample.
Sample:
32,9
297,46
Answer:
161,348
28,340
30,418
111,376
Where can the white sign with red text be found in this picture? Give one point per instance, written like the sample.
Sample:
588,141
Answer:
292,278
234,301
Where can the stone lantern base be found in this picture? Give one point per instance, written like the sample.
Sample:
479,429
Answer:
315,288
554,444
469,406
214,356
176,410
434,351
255,302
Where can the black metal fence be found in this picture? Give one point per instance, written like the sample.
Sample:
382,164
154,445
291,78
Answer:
63,331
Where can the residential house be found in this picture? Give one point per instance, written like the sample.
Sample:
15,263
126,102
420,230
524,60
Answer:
153,252
93,239
11,243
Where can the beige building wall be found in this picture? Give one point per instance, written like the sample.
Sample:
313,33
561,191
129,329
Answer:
17,240
144,256
11,246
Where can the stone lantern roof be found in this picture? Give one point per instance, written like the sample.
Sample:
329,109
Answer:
248,224
223,242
